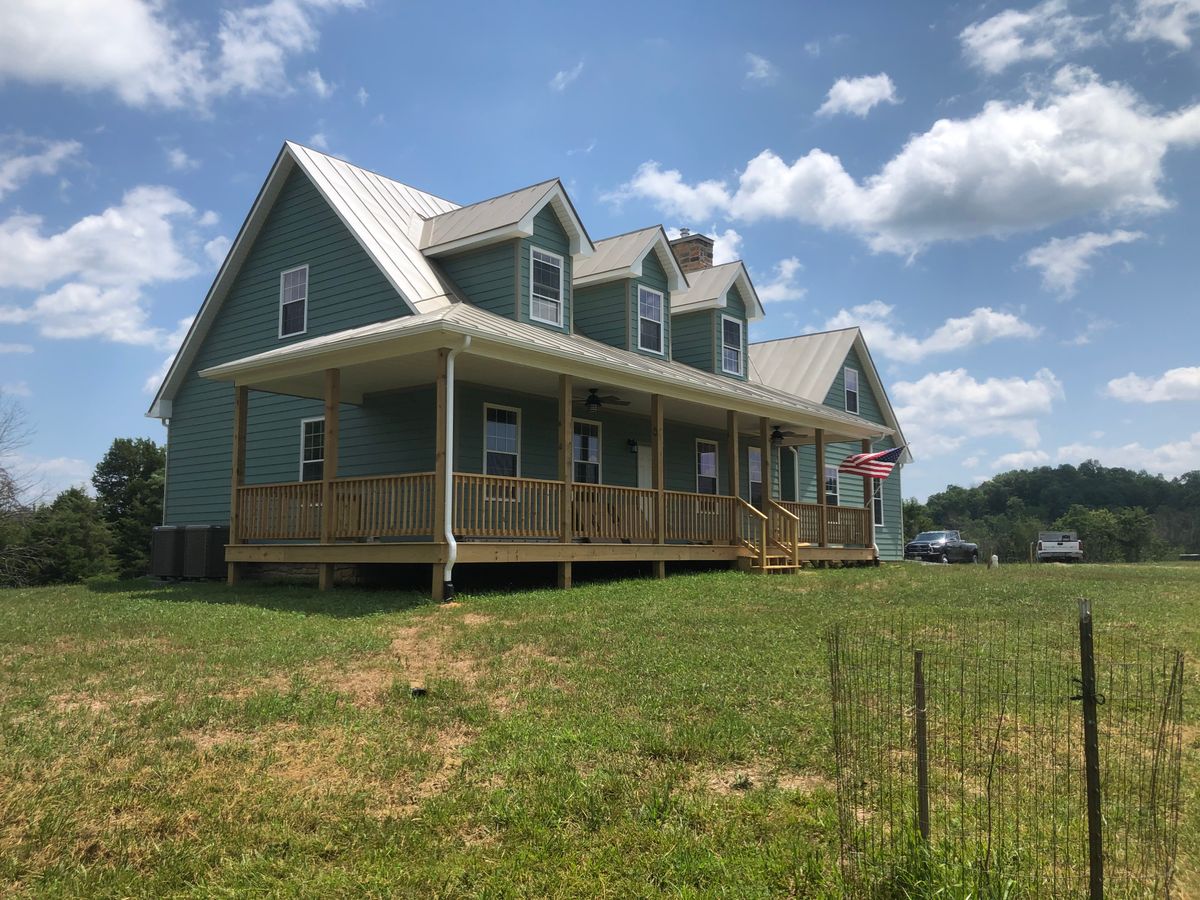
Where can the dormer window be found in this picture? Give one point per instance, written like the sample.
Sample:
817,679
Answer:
851,382
650,320
545,287
293,302
731,346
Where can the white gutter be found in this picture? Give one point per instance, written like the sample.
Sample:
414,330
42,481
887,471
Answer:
448,517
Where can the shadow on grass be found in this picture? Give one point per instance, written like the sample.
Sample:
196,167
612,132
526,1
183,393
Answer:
344,603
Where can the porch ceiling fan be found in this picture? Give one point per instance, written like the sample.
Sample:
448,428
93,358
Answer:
594,401
778,435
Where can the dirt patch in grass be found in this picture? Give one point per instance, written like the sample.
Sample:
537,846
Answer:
473,620
276,683
735,780
78,701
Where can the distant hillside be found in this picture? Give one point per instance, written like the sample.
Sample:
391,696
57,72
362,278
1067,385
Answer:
1120,515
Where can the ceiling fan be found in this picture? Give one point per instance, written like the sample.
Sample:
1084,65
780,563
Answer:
778,435
593,401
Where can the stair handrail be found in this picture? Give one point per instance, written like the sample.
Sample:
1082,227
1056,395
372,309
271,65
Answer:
759,545
791,528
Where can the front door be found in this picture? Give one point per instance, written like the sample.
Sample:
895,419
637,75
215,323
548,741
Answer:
645,468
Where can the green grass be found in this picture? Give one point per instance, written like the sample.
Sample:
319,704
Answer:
620,739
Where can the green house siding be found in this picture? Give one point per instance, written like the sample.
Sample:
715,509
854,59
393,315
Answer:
346,289
487,277
692,336
548,234
735,308
868,404
654,277
598,312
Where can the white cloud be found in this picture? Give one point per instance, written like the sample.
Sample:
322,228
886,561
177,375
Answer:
21,158
208,218
148,57
171,343
92,274
726,244
1077,147
16,389
319,141
563,78
1170,459
1171,21
971,461
585,151
1020,459
1090,330
179,161
16,348
318,84
362,96
782,285
1046,32
943,410
1063,261
1174,384
858,96
881,330
759,69
217,249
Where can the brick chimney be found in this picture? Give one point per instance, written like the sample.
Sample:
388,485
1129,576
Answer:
693,251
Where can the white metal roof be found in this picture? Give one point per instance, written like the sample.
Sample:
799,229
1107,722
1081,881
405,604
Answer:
808,364
709,289
503,218
621,256
552,349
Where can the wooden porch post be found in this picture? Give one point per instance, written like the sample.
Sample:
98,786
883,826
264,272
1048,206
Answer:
766,458
333,398
566,474
819,456
869,498
733,458
437,587
657,480
241,396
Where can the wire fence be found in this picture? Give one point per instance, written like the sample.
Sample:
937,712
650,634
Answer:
961,764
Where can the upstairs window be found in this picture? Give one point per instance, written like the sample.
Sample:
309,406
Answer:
545,287
312,449
706,467
731,346
502,441
293,302
877,499
831,486
650,320
586,452
851,381
754,473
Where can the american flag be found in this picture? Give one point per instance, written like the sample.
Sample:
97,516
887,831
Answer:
871,465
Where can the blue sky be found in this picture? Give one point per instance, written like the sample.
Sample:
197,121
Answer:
1004,196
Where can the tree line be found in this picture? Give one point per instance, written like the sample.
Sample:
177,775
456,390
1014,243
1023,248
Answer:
1119,514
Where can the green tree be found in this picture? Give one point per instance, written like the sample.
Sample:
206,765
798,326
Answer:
129,491
916,518
72,538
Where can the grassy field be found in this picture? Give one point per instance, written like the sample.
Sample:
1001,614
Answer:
620,739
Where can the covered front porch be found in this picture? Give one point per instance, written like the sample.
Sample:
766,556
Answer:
671,488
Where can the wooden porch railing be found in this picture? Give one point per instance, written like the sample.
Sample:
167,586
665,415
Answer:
279,512
700,518
809,525
753,525
783,530
604,512
384,506
847,525
493,506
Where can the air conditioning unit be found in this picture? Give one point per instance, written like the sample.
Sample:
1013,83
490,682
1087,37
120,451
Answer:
166,551
204,551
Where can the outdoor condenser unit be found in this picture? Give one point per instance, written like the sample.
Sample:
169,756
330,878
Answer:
204,551
166,551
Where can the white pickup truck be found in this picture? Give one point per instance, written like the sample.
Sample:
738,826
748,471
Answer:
1059,546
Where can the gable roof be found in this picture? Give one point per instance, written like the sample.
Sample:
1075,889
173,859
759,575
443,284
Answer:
621,256
708,289
808,364
384,216
503,218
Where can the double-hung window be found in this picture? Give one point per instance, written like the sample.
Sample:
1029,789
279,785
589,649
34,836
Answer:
850,378
502,441
877,499
293,301
586,452
312,449
731,346
706,467
545,287
754,473
831,486
650,320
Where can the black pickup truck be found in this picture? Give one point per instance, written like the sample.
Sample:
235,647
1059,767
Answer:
941,546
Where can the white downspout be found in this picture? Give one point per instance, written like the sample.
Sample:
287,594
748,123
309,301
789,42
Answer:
448,518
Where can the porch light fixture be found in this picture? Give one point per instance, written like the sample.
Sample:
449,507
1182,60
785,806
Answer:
632,445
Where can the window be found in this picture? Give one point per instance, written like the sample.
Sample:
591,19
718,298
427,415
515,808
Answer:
851,382
502,441
831,486
586,452
731,346
293,301
706,467
650,320
545,287
312,449
877,499
754,470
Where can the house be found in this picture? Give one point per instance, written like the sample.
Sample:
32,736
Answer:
378,375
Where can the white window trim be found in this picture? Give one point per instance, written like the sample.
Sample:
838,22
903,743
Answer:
846,390
562,295
307,292
304,422
877,486
599,446
741,345
716,463
483,462
837,486
662,316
